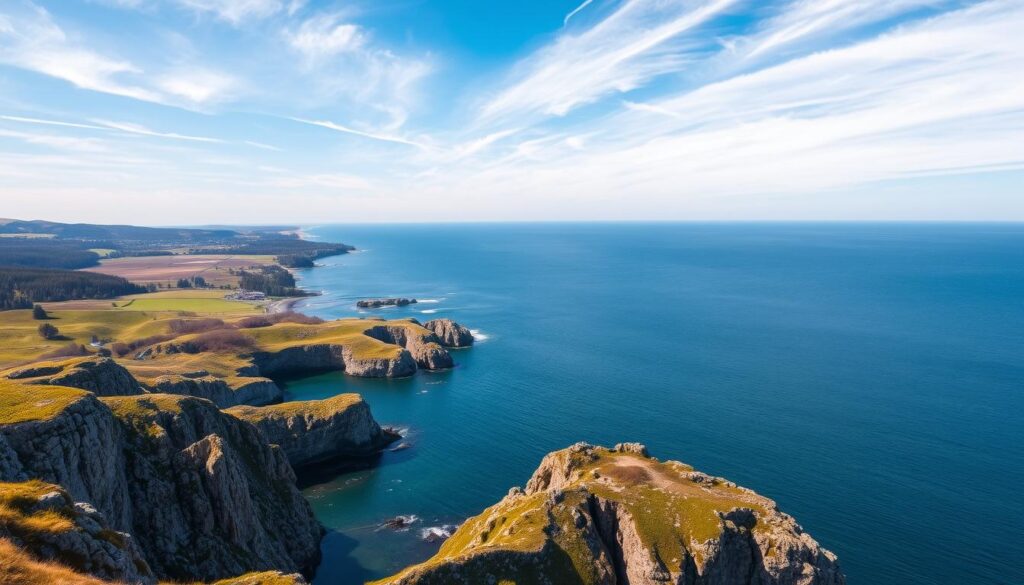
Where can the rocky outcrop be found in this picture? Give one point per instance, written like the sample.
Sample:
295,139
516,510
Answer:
617,516
324,357
201,491
45,521
101,376
317,431
378,303
254,391
422,344
450,333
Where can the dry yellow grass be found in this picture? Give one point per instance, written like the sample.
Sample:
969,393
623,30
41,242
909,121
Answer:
18,568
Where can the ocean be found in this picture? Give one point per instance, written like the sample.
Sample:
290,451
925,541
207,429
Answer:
867,377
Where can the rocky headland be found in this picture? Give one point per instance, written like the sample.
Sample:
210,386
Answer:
591,515
318,431
450,333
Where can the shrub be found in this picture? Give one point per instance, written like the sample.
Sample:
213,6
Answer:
39,313
220,340
186,326
123,349
49,332
69,350
268,320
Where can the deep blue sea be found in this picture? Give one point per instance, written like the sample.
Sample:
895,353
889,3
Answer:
868,377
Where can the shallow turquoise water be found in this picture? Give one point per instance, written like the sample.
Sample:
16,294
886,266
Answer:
868,377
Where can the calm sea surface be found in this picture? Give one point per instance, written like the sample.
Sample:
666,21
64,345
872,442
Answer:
868,377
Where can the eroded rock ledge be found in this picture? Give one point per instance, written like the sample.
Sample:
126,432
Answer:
201,491
318,431
591,515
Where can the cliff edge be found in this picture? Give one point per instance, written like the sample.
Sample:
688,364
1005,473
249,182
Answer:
591,515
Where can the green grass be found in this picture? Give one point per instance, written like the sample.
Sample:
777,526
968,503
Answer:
673,515
102,252
189,305
315,408
25,402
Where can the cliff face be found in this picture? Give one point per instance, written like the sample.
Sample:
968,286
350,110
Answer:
202,492
43,519
450,333
422,344
597,516
319,430
322,357
254,391
101,376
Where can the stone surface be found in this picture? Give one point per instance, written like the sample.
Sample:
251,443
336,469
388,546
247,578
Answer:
591,515
201,492
450,333
317,431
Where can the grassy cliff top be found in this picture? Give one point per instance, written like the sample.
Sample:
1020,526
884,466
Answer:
674,509
147,406
18,513
305,408
25,402
347,332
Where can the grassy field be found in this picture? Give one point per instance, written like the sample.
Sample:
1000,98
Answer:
168,269
102,252
124,319
188,300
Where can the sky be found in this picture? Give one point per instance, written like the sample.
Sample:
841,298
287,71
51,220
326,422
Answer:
187,112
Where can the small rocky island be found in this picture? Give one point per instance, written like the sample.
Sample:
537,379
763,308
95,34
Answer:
597,516
378,303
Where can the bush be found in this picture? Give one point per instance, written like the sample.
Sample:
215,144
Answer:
70,350
122,349
221,340
49,332
268,320
39,313
186,326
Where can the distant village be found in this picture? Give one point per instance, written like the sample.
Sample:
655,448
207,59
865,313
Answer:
246,295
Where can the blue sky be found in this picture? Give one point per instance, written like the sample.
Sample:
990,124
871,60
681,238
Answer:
213,111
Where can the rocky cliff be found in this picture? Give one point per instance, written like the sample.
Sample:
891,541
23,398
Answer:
591,515
43,518
201,491
224,393
101,376
450,333
422,344
323,357
316,431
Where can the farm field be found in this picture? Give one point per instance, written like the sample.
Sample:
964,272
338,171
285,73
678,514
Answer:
168,269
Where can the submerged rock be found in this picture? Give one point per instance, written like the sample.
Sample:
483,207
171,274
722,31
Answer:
616,516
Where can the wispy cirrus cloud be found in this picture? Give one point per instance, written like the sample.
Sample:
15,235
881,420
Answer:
933,97
622,52
31,40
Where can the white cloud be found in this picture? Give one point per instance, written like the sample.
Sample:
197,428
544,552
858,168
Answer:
197,85
29,39
325,36
235,11
365,134
144,131
624,51
576,11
